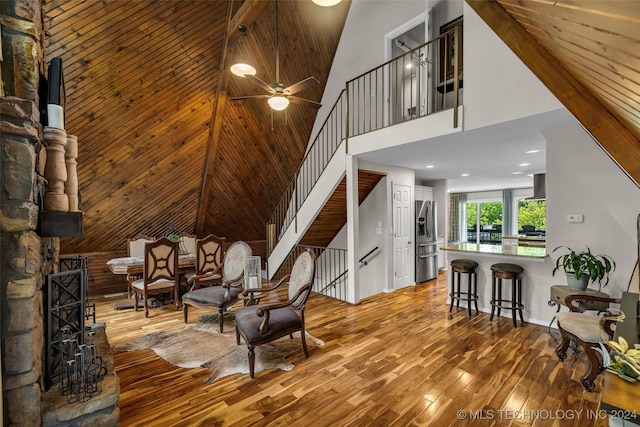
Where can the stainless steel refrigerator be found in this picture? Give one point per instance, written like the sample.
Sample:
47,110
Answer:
426,245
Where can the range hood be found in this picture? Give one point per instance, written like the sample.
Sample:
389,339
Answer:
539,189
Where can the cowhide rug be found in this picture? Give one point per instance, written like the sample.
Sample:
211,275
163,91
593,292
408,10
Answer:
202,345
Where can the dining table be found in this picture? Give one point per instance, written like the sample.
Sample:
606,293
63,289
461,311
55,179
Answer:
135,264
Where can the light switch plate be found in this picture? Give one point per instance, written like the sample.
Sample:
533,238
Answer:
576,218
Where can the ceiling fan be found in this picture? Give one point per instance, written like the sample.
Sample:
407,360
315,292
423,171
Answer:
278,95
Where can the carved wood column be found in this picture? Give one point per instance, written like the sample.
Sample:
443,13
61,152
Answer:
71,186
55,172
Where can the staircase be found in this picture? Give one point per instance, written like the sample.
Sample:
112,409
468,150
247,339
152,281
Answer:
314,209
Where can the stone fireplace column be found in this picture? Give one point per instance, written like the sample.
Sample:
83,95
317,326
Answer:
26,257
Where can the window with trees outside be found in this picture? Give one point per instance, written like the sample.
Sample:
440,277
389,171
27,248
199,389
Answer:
484,220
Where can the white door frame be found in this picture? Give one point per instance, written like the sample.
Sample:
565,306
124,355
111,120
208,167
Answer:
388,42
403,255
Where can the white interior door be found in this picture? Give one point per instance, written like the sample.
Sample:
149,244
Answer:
402,261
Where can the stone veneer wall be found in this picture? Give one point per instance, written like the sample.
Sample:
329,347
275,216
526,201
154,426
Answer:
26,258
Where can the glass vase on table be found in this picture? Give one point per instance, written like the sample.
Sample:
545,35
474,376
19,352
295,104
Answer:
252,278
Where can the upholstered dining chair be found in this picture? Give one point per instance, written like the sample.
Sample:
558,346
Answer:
263,323
589,330
209,256
188,243
221,297
135,248
160,273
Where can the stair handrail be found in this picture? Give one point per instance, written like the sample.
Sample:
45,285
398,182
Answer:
285,212
352,100
362,260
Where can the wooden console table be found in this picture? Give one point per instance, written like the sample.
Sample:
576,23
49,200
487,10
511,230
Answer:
620,399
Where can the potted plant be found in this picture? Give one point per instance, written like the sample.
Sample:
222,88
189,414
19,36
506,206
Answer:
584,267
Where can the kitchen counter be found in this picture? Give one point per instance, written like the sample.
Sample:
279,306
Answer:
532,252
538,241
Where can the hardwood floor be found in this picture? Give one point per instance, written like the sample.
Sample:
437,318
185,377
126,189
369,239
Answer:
394,360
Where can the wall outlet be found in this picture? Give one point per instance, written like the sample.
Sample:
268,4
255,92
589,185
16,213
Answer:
575,218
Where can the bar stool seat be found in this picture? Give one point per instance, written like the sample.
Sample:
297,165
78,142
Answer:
511,272
468,267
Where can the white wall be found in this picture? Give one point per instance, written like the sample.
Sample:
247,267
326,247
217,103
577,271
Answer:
377,276
498,87
362,44
582,179
593,186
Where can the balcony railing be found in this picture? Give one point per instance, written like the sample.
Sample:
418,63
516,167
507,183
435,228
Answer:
422,81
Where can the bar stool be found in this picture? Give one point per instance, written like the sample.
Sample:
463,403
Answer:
511,272
468,267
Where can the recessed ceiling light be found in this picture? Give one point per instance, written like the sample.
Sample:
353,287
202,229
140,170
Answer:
516,173
465,174
524,164
532,151
429,166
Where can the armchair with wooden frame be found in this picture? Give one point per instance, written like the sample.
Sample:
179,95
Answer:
263,323
160,273
221,297
589,330
209,258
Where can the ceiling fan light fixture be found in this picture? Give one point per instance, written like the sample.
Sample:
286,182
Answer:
326,3
241,69
278,102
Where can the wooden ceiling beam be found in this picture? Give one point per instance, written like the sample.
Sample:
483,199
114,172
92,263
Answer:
611,134
246,14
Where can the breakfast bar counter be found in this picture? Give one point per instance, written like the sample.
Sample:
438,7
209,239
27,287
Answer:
530,252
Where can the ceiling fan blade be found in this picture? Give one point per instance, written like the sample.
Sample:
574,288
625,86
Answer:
301,85
302,101
249,97
259,82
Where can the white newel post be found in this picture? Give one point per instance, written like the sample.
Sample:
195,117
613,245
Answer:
55,172
71,186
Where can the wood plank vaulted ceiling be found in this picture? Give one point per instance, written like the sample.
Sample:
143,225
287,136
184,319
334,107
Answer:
147,87
142,80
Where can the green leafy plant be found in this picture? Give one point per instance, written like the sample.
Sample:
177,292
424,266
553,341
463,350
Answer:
597,267
622,360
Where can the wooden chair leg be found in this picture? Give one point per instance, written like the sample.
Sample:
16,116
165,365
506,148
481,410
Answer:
146,305
221,318
237,335
252,360
469,294
452,291
561,350
304,342
135,300
185,311
588,380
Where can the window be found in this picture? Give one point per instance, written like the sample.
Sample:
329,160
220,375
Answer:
484,222
532,217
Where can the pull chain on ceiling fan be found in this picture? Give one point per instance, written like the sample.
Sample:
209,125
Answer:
278,96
